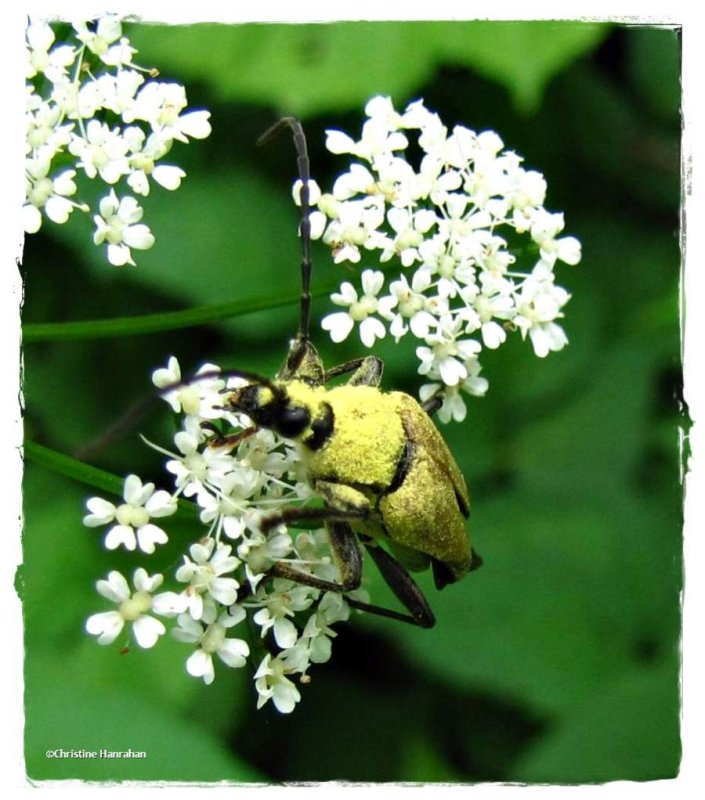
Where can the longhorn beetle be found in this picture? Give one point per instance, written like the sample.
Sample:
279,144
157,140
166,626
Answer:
375,458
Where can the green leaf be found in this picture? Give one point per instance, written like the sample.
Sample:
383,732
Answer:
629,730
638,162
230,223
115,718
568,596
348,62
425,763
58,551
521,56
650,46
591,445
278,64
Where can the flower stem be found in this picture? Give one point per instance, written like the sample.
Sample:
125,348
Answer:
164,321
73,468
150,323
84,473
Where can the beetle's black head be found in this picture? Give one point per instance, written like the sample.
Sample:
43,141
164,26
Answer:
269,406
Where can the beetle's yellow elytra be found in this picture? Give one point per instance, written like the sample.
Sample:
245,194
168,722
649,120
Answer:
372,429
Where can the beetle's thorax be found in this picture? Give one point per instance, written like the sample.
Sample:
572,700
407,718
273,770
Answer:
321,420
367,439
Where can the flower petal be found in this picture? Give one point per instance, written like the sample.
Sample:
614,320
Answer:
115,588
234,652
121,535
150,535
106,626
168,176
371,329
285,696
160,504
224,590
200,665
285,632
338,325
452,371
147,630
101,510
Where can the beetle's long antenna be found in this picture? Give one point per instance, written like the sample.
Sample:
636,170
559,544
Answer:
252,377
128,420
303,166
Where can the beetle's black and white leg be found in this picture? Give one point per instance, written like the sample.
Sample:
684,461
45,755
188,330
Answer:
229,440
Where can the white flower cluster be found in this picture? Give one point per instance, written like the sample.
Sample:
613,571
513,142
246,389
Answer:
234,475
455,222
91,109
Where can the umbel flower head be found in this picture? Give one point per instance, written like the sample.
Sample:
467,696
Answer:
453,221
448,222
233,475
91,110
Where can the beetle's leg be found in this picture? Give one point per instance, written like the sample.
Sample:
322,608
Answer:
432,404
300,514
343,503
387,612
230,440
348,559
346,554
403,585
303,362
367,371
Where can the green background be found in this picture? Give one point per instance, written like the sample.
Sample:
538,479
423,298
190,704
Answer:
558,661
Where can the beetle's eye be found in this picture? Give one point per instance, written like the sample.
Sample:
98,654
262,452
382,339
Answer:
292,420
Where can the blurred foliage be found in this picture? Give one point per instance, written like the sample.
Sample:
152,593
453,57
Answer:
558,660
348,61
